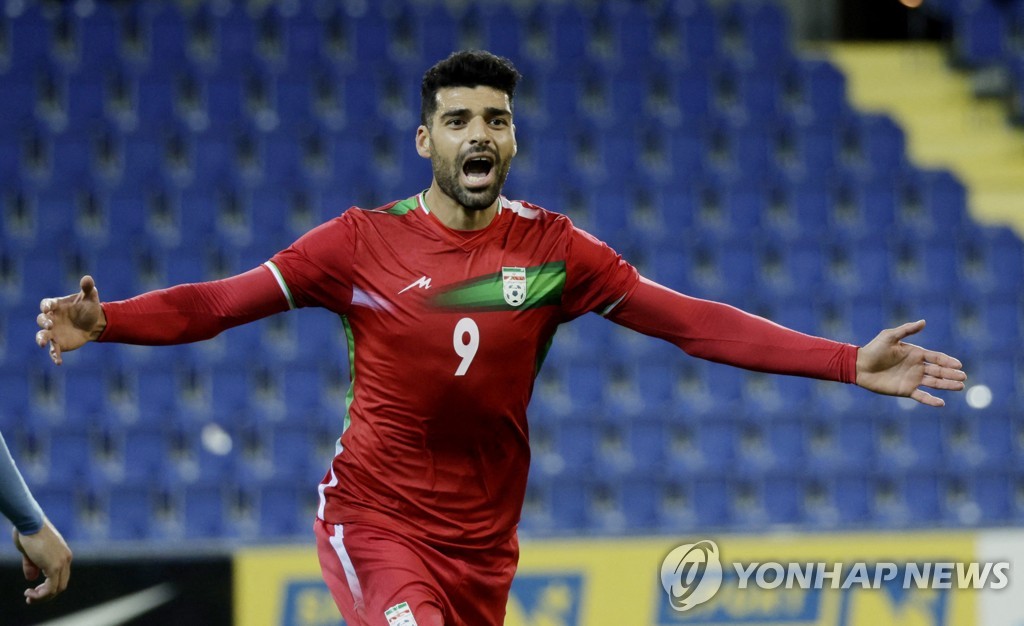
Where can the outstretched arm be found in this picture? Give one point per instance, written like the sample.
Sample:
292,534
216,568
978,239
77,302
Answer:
725,334
181,314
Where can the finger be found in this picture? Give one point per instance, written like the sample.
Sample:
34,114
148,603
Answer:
43,321
944,360
942,383
946,373
30,569
55,353
908,329
926,398
87,284
42,338
40,593
47,305
65,578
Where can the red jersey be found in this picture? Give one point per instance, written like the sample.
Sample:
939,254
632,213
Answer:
446,332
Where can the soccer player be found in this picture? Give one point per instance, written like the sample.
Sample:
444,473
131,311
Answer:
449,299
43,550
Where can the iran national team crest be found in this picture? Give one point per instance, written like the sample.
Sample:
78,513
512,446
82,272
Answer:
513,281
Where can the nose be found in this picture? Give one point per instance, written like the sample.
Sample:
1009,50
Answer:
478,132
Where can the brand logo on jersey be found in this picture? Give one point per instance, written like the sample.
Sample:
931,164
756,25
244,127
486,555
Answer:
422,281
400,615
513,282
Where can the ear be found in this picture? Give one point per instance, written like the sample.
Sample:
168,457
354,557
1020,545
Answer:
515,144
423,147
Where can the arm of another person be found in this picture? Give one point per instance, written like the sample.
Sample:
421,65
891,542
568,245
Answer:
725,334
42,547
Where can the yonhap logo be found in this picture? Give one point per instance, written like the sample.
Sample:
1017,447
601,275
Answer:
692,574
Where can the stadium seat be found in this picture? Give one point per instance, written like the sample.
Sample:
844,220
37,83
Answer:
991,492
823,92
567,499
285,510
130,511
205,507
712,497
909,442
979,34
70,452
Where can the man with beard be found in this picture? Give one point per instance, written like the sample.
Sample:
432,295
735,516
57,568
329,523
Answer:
449,300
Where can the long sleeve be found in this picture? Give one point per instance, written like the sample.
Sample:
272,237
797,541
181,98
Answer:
725,334
195,311
16,501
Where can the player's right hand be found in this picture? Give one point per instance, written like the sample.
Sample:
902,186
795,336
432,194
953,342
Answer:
70,322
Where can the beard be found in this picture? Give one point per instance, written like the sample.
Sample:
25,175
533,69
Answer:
447,173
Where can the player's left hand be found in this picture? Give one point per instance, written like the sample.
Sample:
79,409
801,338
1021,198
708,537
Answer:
44,554
889,366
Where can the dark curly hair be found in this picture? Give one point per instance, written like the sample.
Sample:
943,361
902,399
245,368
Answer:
468,68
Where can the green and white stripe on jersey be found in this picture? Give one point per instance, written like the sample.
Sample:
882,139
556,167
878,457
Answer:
281,283
351,394
403,207
544,285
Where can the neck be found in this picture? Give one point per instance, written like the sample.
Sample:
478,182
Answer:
454,215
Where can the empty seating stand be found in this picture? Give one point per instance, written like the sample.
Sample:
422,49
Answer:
170,142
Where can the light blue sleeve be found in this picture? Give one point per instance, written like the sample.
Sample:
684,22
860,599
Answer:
16,501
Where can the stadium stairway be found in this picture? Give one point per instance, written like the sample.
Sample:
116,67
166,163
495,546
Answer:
946,126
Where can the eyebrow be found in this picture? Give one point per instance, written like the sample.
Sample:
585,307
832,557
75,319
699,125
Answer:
489,112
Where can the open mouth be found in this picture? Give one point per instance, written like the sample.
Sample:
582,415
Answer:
478,171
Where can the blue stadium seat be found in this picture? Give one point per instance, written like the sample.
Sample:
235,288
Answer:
779,500
979,439
699,35
586,382
823,89
979,34
838,442
991,261
637,498
924,267
86,101
130,510
59,500
576,439
99,40
646,437
712,497
146,450
850,496
285,510
205,510
993,495
569,36
789,267
921,492
633,33
14,386
31,34
567,499
910,442
70,452
816,146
